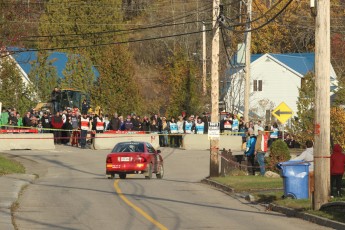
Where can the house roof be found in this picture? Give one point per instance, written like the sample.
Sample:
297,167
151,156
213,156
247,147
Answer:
27,58
299,62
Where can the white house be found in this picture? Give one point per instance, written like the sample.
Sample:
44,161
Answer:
275,78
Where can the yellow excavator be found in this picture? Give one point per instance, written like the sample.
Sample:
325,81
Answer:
70,98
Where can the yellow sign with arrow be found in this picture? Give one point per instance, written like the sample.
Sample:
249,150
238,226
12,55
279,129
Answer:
282,112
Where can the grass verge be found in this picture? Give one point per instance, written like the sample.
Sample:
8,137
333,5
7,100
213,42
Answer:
250,183
270,190
8,166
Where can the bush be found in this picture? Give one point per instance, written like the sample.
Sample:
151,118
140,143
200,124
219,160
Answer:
279,152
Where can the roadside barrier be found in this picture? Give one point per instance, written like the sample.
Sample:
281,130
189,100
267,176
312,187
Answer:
27,141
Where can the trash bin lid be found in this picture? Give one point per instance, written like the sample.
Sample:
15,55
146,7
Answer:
292,163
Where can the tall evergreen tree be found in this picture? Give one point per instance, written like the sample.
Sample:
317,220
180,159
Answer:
116,89
43,76
78,73
303,124
81,24
13,92
182,88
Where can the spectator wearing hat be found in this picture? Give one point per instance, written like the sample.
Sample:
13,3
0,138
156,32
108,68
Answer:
173,129
199,126
46,123
135,122
75,126
128,124
188,125
57,124
12,119
337,169
261,149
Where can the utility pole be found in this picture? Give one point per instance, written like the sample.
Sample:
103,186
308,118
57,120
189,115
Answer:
247,68
322,104
204,91
214,143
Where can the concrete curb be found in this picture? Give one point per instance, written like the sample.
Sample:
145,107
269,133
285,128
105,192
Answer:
9,195
308,217
218,185
287,211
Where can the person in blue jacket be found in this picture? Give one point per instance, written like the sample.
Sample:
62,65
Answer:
249,152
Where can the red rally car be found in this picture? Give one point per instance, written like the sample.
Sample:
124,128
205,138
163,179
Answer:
134,158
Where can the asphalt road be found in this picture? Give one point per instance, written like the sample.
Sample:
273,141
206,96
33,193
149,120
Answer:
72,192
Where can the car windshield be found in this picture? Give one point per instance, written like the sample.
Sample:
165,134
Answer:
128,147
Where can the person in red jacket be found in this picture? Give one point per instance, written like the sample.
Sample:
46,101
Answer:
57,124
337,168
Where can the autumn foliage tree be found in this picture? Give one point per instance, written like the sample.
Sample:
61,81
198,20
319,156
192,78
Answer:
338,126
303,124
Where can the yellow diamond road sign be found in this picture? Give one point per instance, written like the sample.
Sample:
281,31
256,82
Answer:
282,112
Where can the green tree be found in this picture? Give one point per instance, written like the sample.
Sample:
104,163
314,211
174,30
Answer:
78,73
14,93
182,88
81,24
338,126
303,124
116,89
43,76
279,152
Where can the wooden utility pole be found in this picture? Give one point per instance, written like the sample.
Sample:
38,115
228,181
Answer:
247,68
204,91
322,104
214,143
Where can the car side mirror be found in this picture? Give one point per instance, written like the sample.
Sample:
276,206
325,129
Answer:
158,151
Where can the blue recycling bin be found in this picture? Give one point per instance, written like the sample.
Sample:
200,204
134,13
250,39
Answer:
295,179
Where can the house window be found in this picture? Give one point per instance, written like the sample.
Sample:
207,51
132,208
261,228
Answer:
257,85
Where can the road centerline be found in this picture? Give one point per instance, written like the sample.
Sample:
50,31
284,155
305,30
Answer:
136,208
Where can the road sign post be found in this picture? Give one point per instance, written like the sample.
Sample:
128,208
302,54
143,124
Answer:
283,113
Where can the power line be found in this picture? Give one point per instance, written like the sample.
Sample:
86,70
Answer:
110,31
260,26
260,17
110,43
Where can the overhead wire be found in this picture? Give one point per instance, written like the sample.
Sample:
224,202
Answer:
161,24
109,43
260,26
110,31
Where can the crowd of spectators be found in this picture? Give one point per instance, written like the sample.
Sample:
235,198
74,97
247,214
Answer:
65,123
